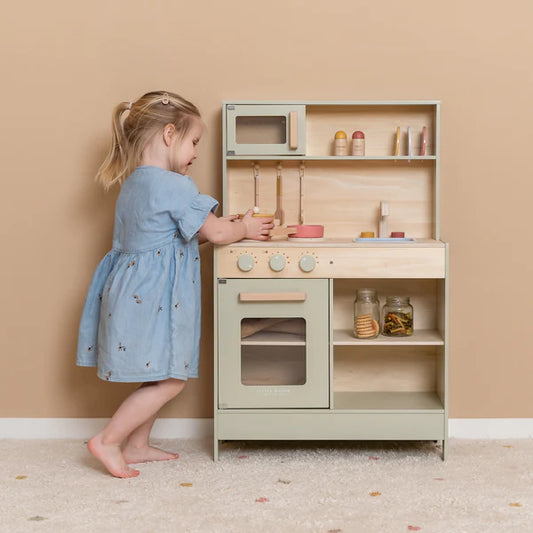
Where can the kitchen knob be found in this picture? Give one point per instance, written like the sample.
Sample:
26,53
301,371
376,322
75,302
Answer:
277,262
307,263
245,263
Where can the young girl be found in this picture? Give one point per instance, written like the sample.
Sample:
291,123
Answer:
141,320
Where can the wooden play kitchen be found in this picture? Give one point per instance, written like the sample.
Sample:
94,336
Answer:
337,327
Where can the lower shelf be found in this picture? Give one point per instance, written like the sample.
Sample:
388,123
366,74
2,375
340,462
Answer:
387,401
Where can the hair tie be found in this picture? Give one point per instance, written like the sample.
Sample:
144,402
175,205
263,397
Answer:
166,99
129,106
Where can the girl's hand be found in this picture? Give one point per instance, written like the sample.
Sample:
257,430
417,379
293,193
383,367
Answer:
257,228
228,229
231,218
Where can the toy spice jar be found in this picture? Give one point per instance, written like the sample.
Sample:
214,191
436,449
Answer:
366,314
358,143
397,317
341,144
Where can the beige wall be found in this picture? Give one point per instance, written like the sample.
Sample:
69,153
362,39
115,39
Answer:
66,64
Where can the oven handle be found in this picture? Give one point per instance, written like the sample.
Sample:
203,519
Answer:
272,296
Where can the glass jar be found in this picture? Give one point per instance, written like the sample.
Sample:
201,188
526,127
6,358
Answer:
397,317
366,314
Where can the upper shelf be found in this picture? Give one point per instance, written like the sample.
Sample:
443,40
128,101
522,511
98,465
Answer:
331,158
393,131
337,103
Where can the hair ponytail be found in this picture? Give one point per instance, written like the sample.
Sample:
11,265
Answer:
114,167
149,114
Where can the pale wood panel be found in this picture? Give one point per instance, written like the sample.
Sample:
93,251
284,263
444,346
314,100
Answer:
344,196
351,261
393,369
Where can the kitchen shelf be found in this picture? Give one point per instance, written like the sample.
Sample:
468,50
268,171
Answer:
274,338
345,337
387,401
330,158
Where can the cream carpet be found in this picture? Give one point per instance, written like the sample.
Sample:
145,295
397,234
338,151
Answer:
485,486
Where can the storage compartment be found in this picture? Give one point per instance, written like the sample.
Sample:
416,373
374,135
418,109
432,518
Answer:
385,377
426,296
391,373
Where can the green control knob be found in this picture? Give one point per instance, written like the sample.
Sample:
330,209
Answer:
277,262
245,263
307,263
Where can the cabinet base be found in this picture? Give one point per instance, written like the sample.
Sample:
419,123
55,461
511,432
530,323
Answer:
326,424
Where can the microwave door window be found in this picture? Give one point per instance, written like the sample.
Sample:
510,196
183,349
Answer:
273,351
261,130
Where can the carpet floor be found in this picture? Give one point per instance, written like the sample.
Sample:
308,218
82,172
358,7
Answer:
484,486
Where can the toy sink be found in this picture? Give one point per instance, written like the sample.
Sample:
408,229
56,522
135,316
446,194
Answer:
384,239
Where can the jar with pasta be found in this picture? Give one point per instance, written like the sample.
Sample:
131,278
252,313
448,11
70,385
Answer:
397,317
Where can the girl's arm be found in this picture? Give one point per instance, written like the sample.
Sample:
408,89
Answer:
225,230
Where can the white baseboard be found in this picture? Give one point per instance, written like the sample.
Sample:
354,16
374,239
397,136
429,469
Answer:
490,428
196,428
83,428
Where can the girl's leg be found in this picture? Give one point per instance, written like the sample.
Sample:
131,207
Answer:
136,410
138,450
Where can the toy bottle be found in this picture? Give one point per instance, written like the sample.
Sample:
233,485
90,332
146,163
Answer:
341,144
358,143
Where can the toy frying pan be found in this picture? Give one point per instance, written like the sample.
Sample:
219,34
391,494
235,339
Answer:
307,231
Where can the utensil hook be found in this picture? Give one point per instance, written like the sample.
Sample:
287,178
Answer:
255,169
301,208
279,214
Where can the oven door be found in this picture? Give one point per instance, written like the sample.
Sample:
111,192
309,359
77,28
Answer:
273,343
265,129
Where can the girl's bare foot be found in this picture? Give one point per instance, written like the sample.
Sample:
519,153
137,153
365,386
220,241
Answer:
111,457
134,455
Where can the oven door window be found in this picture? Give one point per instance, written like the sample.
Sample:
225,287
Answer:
273,351
261,130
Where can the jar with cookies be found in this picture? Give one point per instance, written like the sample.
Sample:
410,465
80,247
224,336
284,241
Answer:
366,314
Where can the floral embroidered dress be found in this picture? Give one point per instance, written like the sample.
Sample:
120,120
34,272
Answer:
141,319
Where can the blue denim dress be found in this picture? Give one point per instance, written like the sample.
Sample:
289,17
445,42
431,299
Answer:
141,319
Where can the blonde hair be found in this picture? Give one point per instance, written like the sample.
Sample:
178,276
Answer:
147,116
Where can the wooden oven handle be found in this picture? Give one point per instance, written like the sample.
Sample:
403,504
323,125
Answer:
272,296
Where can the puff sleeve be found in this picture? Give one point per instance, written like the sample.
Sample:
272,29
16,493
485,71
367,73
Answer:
191,208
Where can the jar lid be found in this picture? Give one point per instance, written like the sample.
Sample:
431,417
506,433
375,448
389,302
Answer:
366,292
398,300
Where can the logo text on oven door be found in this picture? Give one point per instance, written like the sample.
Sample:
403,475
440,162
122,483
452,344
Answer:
272,391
